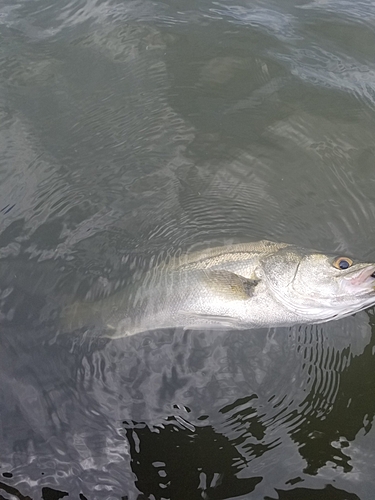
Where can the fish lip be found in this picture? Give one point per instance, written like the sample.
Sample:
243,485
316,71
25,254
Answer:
361,276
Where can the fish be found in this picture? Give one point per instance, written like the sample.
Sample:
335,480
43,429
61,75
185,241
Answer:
240,286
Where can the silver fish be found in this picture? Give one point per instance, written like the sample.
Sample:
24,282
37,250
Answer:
242,286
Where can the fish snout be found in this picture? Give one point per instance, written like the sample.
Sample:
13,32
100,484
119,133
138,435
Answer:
365,277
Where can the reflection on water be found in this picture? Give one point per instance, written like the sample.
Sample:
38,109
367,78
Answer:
187,456
132,131
194,463
188,414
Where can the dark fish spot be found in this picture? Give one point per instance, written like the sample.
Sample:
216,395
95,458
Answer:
249,286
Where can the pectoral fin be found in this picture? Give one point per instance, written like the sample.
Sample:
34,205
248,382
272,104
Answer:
84,315
230,285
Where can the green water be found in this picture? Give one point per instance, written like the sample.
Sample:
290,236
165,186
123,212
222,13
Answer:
131,131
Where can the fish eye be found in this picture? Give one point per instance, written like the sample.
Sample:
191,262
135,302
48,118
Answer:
343,263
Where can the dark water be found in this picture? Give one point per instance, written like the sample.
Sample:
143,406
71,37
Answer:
139,128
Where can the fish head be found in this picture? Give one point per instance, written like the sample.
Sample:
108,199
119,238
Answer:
318,287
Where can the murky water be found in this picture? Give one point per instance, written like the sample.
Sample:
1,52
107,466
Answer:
137,129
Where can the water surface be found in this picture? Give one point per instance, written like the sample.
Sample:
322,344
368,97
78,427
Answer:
131,131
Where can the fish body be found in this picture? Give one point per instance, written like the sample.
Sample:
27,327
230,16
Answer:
242,286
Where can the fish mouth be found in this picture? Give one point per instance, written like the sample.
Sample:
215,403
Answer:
362,279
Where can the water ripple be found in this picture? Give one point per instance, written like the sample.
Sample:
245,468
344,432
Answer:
277,23
332,71
362,11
